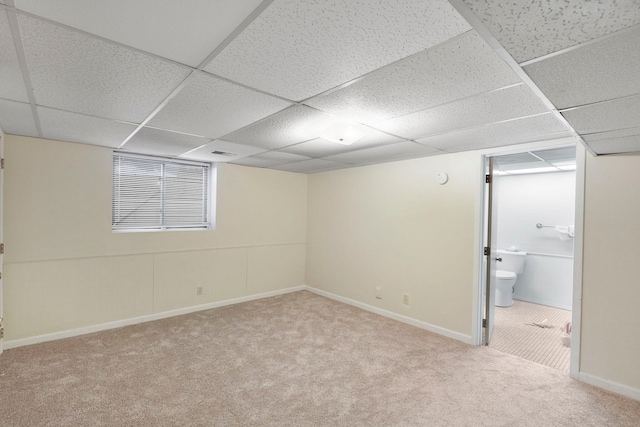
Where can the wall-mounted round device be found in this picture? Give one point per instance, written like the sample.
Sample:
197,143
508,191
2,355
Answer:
442,178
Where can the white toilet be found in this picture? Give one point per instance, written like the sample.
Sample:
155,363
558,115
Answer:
512,264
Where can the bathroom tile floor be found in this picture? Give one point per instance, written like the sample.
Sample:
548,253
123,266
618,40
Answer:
515,333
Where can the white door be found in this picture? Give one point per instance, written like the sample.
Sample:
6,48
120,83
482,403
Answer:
1,238
490,252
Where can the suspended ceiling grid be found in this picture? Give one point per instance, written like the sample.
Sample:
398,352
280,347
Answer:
254,82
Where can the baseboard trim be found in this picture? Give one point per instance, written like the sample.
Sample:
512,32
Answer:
395,316
541,302
142,319
615,387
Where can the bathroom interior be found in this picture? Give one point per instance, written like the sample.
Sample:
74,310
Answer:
535,199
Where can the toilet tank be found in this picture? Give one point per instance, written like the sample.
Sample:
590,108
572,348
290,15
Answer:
511,261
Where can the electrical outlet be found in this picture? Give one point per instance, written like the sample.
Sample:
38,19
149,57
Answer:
405,299
199,290
378,292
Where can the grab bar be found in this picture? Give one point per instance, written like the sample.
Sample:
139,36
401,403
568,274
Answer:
538,225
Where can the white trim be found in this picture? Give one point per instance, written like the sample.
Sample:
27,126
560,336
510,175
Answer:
542,302
581,150
395,316
142,319
613,386
578,260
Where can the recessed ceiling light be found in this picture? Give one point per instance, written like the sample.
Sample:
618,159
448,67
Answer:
345,133
532,170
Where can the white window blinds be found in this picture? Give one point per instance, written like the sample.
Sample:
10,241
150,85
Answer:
159,194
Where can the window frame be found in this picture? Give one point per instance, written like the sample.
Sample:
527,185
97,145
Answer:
210,202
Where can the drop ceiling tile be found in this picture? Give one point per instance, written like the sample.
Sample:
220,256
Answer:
162,143
74,72
211,107
626,144
557,154
319,45
622,133
530,29
618,141
227,152
321,147
186,33
311,166
383,153
11,81
459,68
515,158
528,129
489,107
290,126
16,118
596,72
270,159
604,116
65,126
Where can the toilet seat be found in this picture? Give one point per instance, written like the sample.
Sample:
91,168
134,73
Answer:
501,274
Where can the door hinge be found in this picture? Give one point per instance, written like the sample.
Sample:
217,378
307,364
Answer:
484,323
487,179
486,250
1,328
1,163
1,248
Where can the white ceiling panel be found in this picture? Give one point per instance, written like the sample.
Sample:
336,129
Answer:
291,126
622,133
627,144
182,32
221,151
321,147
211,107
270,159
459,68
297,49
311,166
530,29
384,153
11,81
529,129
618,141
163,143
16,118
596,72
489,107
75,72
604,116
65,126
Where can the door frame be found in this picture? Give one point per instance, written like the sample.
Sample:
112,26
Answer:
576,309
1,240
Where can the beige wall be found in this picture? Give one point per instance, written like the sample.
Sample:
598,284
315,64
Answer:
65,269
611,271
386,225
392,226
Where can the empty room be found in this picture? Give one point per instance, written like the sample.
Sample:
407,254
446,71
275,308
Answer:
319,213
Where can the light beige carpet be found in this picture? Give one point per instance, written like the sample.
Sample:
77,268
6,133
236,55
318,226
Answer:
516,334
293,360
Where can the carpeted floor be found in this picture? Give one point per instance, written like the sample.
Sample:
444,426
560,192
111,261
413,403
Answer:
516,334
293,360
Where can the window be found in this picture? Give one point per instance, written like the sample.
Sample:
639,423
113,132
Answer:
151,193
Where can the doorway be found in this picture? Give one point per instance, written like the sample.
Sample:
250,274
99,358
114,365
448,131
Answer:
528,264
